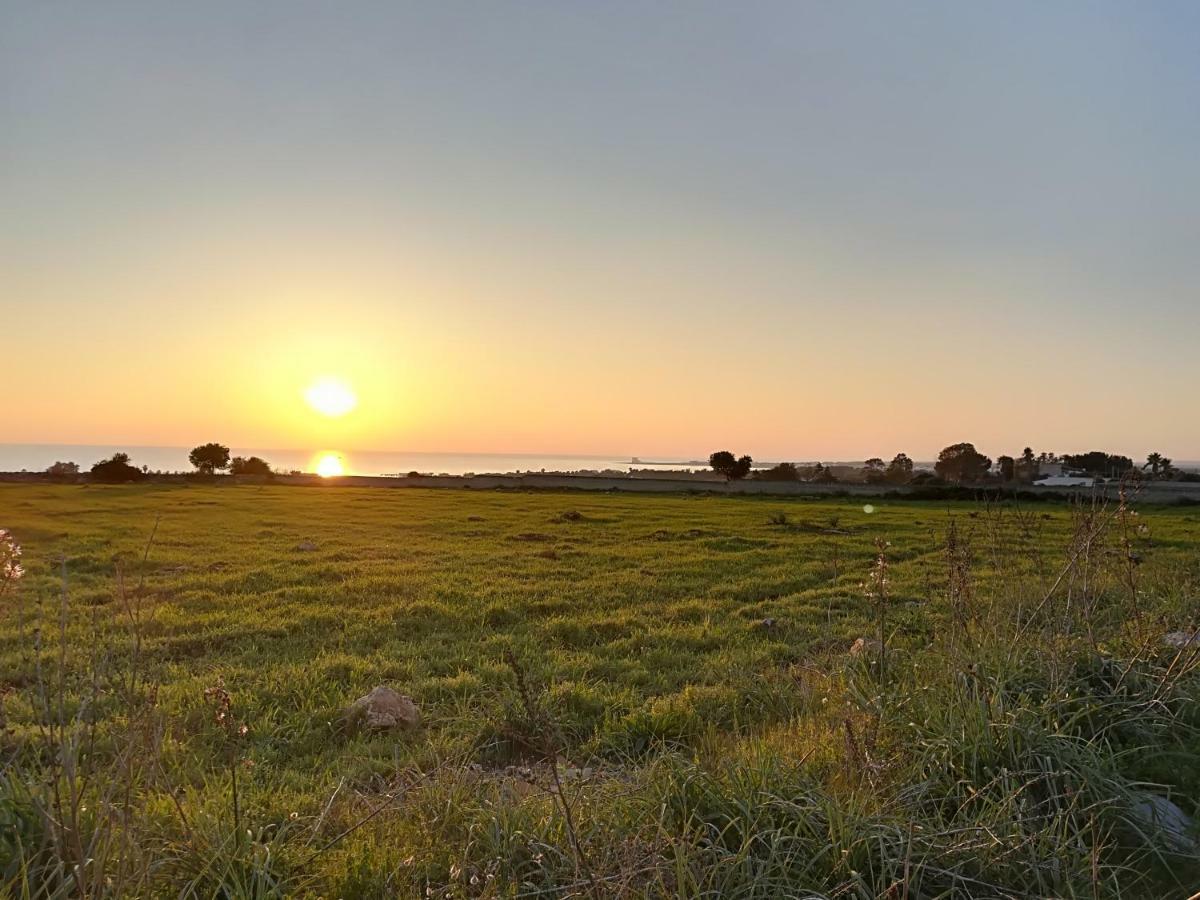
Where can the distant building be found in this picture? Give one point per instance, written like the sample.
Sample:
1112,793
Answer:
1066,481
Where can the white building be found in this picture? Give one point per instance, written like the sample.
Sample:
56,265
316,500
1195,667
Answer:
1066,481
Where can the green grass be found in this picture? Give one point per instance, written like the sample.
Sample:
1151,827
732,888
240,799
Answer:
705,754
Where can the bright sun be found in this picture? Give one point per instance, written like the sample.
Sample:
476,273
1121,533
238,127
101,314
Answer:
331,397
329,465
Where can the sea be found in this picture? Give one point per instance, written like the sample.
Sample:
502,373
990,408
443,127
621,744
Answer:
37,457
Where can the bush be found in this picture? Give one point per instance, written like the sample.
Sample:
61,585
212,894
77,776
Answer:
63,471
116,470
784,471
250,465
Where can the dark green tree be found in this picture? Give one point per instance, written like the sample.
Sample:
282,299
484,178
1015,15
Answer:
1007,468
116,470
208,458
962,464
900,469
730,466
249,465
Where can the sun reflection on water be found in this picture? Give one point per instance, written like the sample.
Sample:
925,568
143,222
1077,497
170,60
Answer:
329,464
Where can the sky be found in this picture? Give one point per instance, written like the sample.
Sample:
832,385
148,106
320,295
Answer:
797,229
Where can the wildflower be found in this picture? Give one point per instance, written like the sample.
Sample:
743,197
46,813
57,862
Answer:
10,557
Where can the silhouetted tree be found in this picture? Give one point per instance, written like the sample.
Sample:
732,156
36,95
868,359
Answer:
1007,468
784,471
207,458
824,475
730,466
251,465
1026,468
116,470
961,463
1100,464
873,470
63,471
900,469
1159,466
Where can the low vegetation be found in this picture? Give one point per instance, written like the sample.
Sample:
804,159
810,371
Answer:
620,695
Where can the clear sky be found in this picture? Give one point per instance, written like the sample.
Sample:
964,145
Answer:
796,229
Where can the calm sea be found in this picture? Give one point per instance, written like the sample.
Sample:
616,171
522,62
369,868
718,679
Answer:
36,457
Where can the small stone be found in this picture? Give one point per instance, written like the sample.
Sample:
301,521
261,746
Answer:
1172,822
383,709
865,645
1182,640
768,623
306,546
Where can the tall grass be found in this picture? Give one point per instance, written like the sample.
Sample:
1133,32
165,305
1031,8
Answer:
999,736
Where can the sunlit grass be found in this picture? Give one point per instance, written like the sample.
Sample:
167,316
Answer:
690,651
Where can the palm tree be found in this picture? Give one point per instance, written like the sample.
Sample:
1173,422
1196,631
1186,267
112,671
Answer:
1154,462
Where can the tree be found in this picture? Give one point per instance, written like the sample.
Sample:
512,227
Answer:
731,467
823,475
251,465
1027,466
962,463
900,469
116,470
784,471
1100,464
207,458
1007,467
1155,463
63,471
873,470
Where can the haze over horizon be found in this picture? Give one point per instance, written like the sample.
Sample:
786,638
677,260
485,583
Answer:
800,231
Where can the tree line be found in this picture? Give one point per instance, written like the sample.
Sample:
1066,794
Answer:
207,459
961,464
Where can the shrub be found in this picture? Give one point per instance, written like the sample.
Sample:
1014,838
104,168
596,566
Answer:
116,470
63,471
784,471
250,465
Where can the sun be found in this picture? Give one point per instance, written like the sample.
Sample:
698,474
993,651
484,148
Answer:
331,397
329,465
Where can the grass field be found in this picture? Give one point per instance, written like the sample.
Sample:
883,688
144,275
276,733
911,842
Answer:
621,695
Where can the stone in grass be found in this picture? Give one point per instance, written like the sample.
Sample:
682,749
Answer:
306,546
1175,826
1182,640
865,646
382,710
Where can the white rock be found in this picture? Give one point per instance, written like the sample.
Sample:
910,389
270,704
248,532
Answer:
1182,640
1174,824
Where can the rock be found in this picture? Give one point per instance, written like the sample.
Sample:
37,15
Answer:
571,515
768,623
1169,820
306,546
1182,640
382,710
865,645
